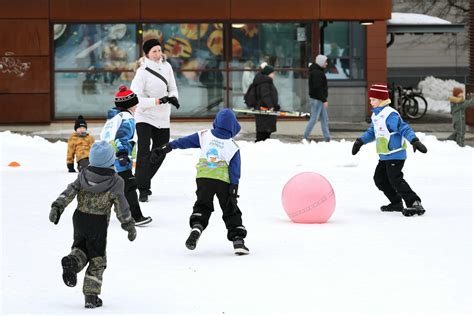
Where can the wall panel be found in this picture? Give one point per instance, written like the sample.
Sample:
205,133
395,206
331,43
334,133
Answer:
274,9
24,37
24,9
185,10
36,78
355,9
376,54
25,108
94,10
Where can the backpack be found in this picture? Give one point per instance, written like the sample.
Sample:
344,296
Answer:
112,125
250,97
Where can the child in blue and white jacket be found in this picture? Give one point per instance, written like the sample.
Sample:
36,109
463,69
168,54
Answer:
218,173
119,130
390,131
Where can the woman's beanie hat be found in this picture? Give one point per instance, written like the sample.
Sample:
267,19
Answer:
125,98
148,45
379,91
80,122
102,155
321,60
457,91
266,69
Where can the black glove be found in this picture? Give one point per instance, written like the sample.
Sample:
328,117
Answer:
164,100
70,167
122,157
232,202
174,101
158,152
356,147
130,228
56,210
277,107
417,145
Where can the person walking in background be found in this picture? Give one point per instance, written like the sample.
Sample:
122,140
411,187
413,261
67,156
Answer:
155,86
266,99
247,75
458,112
390,131
218,173
318,95
78,145
97,188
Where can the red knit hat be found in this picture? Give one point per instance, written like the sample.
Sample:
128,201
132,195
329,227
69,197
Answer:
457,91
125,98
379,91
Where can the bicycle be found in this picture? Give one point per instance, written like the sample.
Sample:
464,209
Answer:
408,102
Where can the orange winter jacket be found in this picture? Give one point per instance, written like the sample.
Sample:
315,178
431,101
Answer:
78,146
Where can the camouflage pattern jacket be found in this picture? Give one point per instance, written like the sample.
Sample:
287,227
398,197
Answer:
97,189
78,146
458,109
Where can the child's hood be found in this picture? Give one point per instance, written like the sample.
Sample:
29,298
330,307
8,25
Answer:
225,124
99,182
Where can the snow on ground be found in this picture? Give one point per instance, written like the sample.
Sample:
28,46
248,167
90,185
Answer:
362,262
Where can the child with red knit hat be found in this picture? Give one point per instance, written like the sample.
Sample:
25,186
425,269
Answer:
390,131
119,130
458,112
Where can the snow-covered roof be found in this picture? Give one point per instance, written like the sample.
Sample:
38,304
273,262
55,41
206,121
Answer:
415,18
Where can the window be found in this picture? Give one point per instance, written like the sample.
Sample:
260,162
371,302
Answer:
90,62
343,43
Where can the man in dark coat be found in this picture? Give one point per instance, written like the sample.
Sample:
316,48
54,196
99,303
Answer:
267,98
318,94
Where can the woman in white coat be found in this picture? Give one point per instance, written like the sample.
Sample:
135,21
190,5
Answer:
155,85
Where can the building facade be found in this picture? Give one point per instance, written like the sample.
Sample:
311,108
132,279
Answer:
61,58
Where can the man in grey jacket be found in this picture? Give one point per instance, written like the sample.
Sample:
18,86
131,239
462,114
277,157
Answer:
97,187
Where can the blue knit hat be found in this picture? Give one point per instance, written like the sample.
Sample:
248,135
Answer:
102,155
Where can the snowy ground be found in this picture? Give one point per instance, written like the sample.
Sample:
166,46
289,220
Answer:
363,262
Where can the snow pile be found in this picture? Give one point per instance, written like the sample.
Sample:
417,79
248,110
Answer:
415,18
437,91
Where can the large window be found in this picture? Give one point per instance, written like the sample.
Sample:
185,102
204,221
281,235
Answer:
90,62
214,63
343,43
285,46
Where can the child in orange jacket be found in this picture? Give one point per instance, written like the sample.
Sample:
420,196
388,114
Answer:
79,145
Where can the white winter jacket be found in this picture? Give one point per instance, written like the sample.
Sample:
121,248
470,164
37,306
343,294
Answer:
148,87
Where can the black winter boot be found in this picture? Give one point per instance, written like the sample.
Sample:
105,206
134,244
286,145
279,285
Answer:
415,209
393,207
193,238
239,247
92,301
70,268
143,196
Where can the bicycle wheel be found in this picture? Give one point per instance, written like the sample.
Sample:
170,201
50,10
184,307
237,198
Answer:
422,105
410,107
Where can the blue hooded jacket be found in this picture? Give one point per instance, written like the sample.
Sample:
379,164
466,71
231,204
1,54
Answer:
395,124
123,138
225,126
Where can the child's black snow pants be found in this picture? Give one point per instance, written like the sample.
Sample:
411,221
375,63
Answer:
204,206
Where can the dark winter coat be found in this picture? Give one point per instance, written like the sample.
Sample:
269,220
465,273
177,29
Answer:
318,84
267,96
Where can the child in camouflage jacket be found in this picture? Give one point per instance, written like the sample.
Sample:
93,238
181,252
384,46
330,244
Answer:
458,112
97,188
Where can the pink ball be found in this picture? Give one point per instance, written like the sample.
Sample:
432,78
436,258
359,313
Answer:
308,197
